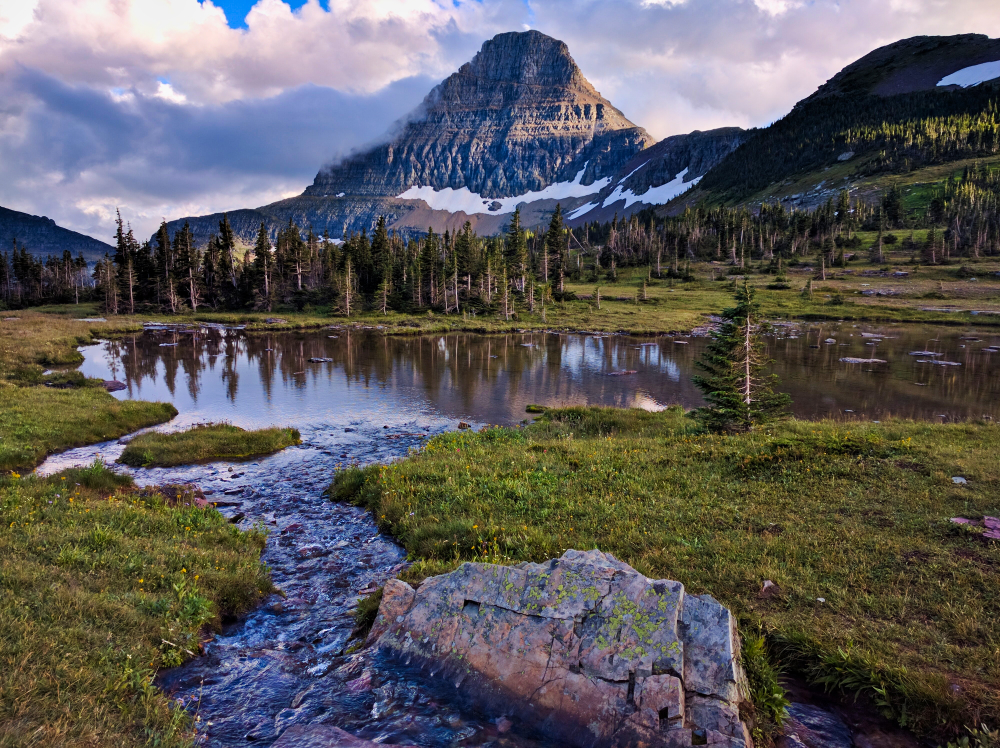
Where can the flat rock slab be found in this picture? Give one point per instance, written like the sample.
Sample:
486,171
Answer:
584,648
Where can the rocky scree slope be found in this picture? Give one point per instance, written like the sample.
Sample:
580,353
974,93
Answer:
679,161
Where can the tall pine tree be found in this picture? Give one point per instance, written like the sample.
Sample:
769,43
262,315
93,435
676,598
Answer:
739,393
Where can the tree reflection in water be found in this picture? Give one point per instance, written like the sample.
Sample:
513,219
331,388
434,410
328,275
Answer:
258,378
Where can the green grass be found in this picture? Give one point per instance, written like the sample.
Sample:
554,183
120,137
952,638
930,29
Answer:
37,421
96,577
41,414
855,514
205,443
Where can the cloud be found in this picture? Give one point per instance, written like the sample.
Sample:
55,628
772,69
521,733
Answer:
75,153
161,107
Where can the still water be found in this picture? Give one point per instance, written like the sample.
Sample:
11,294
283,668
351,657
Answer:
372,399
263,379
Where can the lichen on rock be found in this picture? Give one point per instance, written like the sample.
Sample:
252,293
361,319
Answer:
583,648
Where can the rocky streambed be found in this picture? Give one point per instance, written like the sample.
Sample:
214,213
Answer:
285,663
286,676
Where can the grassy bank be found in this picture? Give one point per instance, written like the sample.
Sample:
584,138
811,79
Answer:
927,294
204,443
100,584
44,413
879,593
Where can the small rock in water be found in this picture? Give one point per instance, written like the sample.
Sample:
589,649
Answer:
814,727
464,425
504,725
311,551
113,385
361,683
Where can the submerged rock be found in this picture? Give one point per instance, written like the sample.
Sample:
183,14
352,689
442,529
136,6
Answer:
325,736
583,648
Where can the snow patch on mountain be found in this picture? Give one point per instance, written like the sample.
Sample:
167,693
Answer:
972,76
576,213
653,196
463,199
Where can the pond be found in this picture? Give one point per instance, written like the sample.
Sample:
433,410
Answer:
333,376
360,398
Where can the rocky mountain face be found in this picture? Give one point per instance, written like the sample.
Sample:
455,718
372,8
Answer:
515,119
660,173
519,125
42,237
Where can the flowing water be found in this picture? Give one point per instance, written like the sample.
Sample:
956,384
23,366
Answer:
369,398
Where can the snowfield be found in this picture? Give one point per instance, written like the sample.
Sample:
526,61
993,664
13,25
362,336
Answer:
463,199
972,76
653,196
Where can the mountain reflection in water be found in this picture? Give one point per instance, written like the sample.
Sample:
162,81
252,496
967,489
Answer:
256,379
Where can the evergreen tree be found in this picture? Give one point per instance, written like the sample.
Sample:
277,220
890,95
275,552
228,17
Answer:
227,258
739,394
555,245
516,248
263,266
162,264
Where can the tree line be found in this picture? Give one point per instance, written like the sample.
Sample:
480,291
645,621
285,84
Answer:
462,272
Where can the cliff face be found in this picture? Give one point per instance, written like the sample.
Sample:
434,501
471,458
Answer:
515,119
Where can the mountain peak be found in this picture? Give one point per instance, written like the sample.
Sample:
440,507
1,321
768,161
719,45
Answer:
516,118
526,57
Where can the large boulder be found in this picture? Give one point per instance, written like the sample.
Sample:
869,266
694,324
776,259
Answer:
584,648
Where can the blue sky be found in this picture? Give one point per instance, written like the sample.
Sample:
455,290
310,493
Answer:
236,10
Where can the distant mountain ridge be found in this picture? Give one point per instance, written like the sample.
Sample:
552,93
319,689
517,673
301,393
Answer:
41,236
519,125
518,120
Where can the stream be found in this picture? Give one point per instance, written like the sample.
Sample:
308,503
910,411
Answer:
365,398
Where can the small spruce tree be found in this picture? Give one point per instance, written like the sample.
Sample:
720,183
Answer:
739,394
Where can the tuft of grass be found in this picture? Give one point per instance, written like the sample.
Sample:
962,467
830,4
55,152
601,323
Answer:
881,594
205,443
101,584
37,420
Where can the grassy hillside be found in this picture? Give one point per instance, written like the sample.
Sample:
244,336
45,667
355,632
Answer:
883,135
